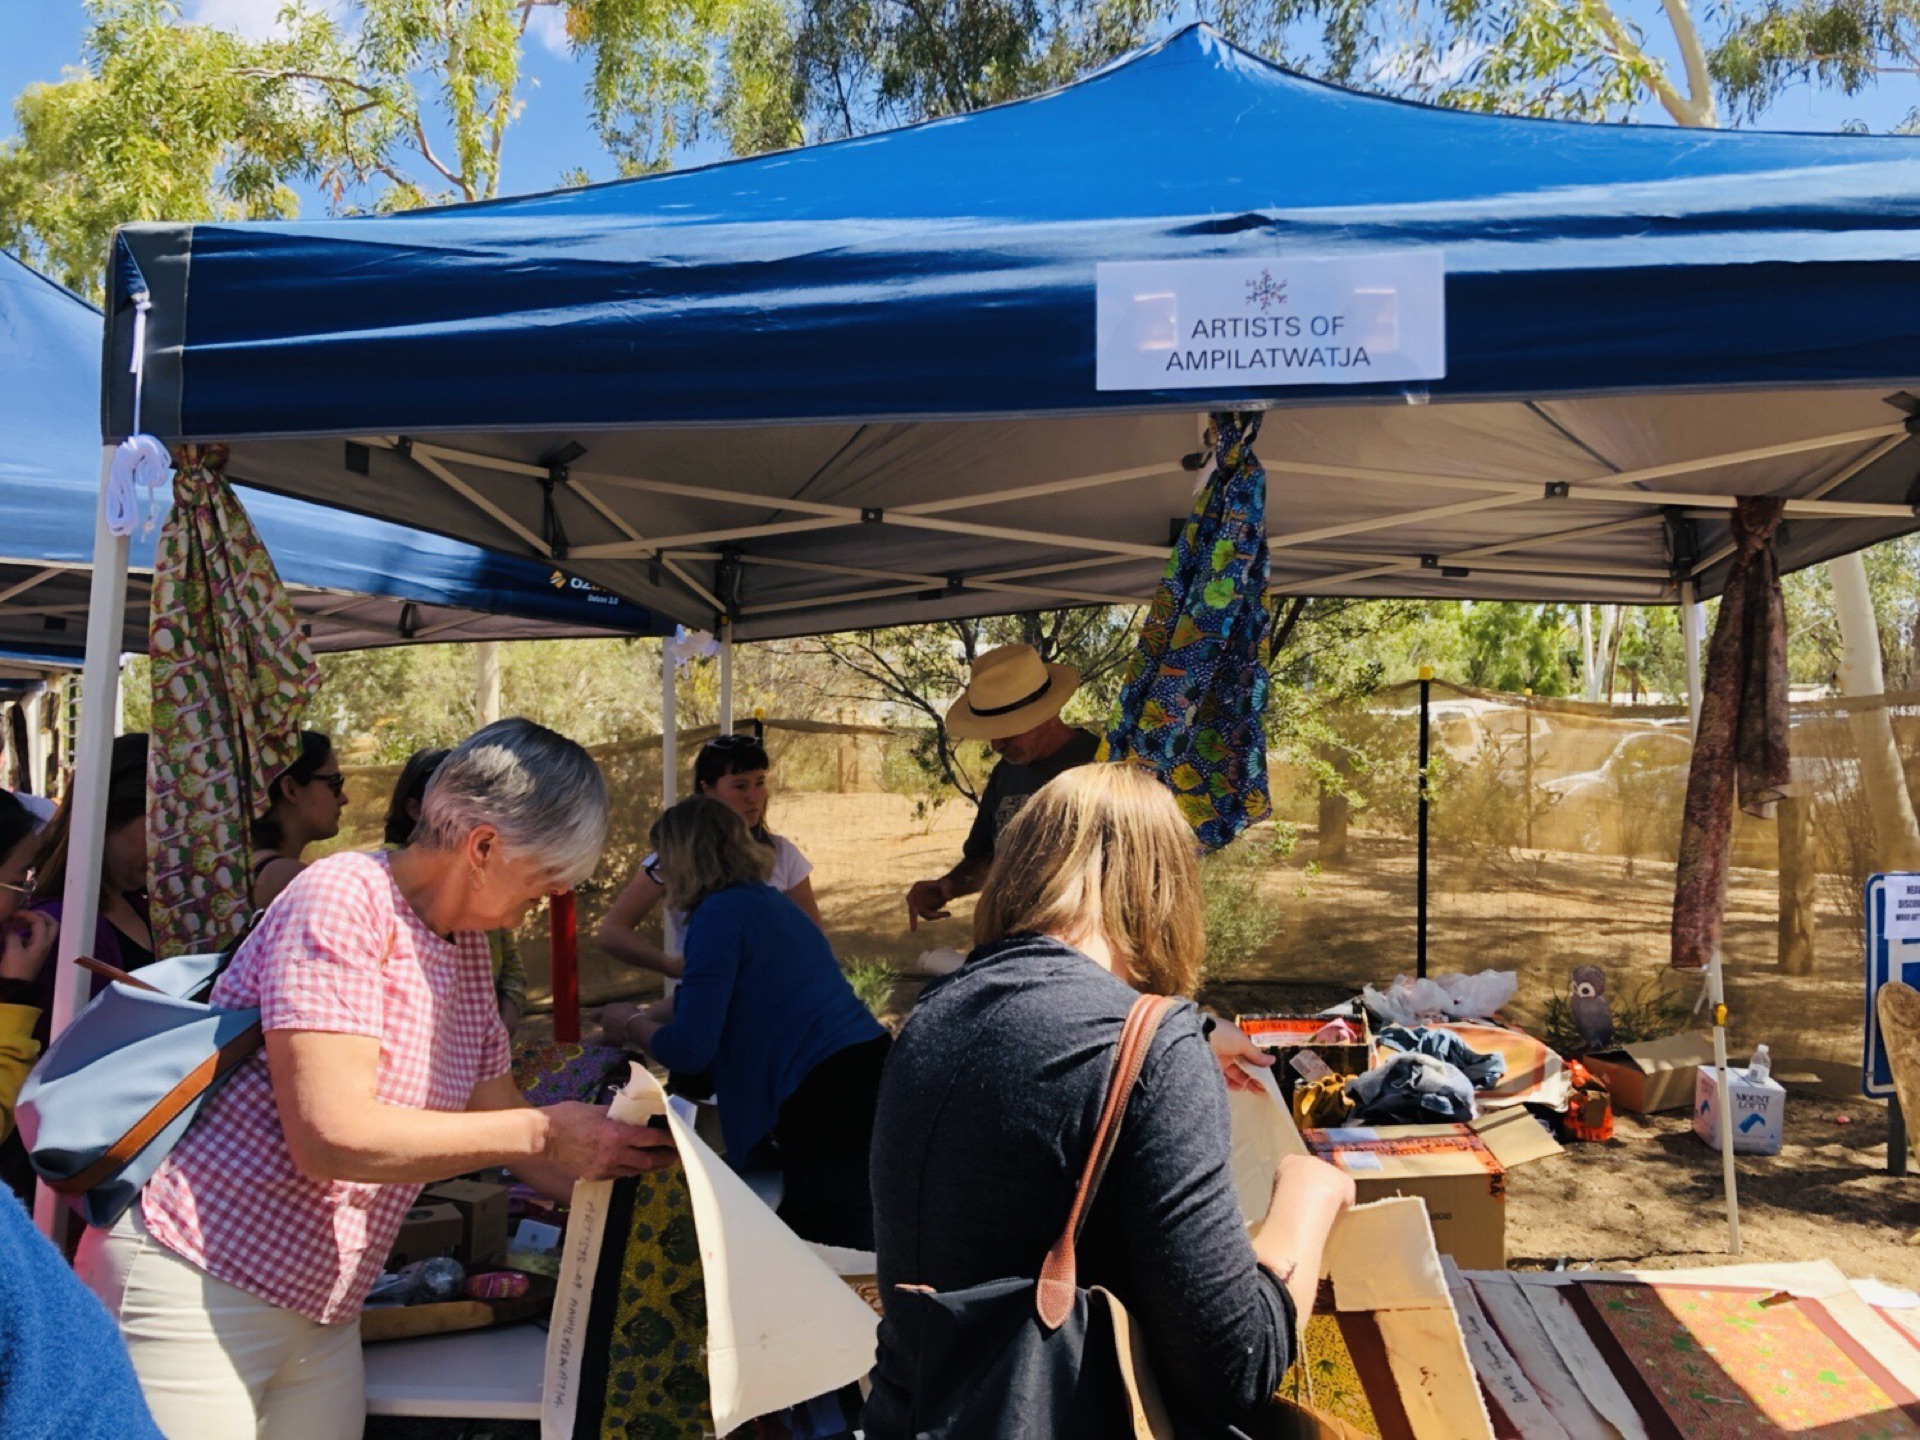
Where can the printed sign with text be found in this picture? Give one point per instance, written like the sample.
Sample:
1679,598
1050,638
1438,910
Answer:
1212,324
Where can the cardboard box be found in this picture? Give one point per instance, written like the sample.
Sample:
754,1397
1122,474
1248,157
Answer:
1653,1074
431,1228
1759,1111
1285,1037
483,1214
1459,1171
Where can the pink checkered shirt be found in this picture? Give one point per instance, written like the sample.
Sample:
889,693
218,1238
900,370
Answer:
339,951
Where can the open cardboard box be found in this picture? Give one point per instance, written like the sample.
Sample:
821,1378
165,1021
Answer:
1458,1170
1287,1037
1653,1075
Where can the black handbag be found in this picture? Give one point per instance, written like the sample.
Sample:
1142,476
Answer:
1017,1358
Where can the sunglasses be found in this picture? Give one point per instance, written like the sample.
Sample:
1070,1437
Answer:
24,890
336,782
651,868
739,740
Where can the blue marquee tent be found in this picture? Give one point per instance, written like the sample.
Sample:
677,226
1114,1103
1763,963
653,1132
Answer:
859,383
357,582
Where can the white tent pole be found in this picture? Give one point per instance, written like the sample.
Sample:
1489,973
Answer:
1692,624
726,677
92,758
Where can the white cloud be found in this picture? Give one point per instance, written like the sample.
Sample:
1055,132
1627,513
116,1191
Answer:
548,25
254,19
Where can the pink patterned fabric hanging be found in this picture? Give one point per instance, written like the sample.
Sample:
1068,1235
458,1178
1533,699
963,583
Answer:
232,677
1743,730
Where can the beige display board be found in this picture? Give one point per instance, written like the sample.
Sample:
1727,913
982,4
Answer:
782,1327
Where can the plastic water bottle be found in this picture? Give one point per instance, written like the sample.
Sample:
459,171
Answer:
1760,1068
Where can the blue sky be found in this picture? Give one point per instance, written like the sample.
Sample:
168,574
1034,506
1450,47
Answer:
554,136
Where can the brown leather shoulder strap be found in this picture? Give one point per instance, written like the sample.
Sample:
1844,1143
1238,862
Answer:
1058,1276
165,1111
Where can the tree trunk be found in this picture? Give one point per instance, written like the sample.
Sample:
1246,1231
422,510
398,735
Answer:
1333,826
1589,671
1883,779
1616,632
1797,878
486,680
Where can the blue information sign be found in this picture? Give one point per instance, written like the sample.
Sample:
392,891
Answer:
1893,953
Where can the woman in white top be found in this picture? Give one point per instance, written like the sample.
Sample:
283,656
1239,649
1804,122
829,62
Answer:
733,770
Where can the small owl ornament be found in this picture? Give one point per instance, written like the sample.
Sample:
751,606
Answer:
1587,1001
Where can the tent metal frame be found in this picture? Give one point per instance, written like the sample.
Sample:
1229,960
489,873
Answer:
675,552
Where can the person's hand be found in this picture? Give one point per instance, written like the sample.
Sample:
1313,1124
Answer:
928,900
29,937
589,1145
1233,1050
1301,1182
615,1021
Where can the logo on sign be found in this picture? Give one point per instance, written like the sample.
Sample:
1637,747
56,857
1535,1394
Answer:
560,580
1266,292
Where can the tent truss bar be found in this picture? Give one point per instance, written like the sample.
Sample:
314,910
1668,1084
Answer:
1611,488
473,497
914,517
1826,487
672,566
429,456
12,591
1612,480
1033,492
1598,571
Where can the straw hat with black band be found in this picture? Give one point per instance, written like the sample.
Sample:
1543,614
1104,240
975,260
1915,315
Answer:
1012,691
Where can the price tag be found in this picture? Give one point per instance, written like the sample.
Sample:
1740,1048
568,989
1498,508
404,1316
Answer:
1311,1067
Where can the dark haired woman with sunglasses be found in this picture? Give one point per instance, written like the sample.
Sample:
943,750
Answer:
307,798
733,770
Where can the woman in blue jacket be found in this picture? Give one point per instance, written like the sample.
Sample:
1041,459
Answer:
796,1057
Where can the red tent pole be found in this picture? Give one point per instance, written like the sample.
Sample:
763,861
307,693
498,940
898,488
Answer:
564,948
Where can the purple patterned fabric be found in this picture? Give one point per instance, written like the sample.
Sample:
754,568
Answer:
1742,741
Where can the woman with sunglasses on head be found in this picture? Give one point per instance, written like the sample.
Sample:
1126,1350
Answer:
733,770
305,803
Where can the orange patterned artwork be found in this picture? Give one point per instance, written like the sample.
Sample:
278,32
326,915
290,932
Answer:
1728,1364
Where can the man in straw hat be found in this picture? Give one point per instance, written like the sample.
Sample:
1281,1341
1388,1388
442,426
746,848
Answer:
1013,702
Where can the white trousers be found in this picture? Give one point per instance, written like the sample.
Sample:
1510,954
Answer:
214,1362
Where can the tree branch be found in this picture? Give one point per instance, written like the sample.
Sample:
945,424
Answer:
1283,630
1628,51
1702,114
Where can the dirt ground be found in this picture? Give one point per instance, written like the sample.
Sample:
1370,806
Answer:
1651,1196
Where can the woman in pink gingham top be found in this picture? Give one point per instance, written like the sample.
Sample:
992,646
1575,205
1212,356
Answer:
239,1278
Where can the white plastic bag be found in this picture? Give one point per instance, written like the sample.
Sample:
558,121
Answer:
1408,1001
1478,997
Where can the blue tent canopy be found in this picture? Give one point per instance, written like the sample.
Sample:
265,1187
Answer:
359,582
859,383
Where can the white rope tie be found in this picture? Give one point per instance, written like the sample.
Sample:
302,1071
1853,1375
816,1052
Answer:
140,463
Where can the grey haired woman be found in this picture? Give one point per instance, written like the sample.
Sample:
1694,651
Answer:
239,1278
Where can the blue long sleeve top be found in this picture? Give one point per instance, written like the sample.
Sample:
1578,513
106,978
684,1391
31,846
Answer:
762,1001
